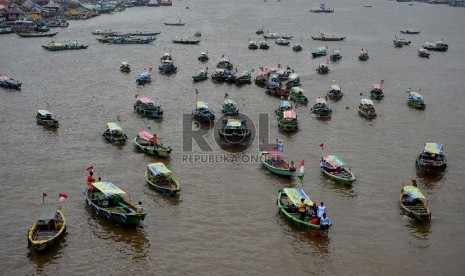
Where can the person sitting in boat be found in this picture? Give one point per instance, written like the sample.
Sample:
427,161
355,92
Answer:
278,160
155,139
291,166
140,209
302,209
325,222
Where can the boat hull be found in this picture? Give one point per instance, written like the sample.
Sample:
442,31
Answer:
430,168
417,212
328,39
338,179
49,123
275,170
171,190
417,105
158,150
41,245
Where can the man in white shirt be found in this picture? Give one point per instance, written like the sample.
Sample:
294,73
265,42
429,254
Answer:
321,210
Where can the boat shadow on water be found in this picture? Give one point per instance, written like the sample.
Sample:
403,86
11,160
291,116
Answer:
345,190
42,258
162,199
430,181
420,231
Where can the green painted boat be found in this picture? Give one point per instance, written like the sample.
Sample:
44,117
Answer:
108,201
333,167
144,141
230,108
297,95
161,179
288,203
288,122
274,162
46,118
414,204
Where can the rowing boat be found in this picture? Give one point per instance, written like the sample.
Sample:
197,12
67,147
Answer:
49,228
333,167
161,179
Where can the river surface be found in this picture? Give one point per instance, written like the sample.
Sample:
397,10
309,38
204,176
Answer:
225,220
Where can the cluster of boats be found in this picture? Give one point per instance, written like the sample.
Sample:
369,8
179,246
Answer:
225,72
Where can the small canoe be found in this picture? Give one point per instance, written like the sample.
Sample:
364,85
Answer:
274,162
333,167
106,200
27,35
144,141
161,179
414,204
49,228
288,203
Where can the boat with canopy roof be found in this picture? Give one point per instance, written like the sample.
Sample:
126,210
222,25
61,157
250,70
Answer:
201,75
432,159
125,67
377,91
414,204
48,229
283,106
321,108
9,83
328,37
225,63
333,167
297,95
143,78
203,113
335,93
46,118
148,143
146,107
323,68
366,109
160,178
108,201
415,100
234,131
273,160
114,134
288,122
363,55
230,108
288,203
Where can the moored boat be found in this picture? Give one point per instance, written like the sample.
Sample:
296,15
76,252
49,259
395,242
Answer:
323,9
328,37
5,30
201,75
143,78
39,34
186,41
252,45
146,107
422,52
104,33
297,95
335,56
60,46
125,67
377,91
363,55
398,43
283,106
260,31
125,39
48,229
432,159
409,31
9,83
297,47
108,201
333,167
160,178
46,118
436,46
203,56
234,131
414,204
230,108
415,100
274,161
263,45
244,78
293,80
114,134
282,41
319,52
148,143
202,113
335,93
323,68
288,203
179,23
288,122
167,67
321,108
225,63
366,109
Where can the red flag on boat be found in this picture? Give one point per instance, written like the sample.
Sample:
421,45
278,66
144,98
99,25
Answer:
90,168
302,165
62,196
322,146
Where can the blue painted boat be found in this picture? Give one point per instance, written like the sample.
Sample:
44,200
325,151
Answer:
203,114
415,100
319,52
143,78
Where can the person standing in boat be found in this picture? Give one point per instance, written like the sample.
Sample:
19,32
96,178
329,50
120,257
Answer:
280,146
321,210
302,209
155,139
325,222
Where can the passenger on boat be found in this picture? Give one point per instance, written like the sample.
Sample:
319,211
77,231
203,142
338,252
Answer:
302,209
140,209
313,210
155,139
90,180
292,167
321,210
280,146
325,222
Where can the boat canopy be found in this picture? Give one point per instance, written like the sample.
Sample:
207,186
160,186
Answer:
114,127
229,102
203,53
297,90
159,169
125,64
202,105
320,49
378,86
144,75
44,113
108,188
220,70
367,102
413,192
285,104
334,161
165,56
225,59
290,114
294,77
296,194
233,123
145,135
48,212
145,100
320,100
4,78
433,148
416,96
335,87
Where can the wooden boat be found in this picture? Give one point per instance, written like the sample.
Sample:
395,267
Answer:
277,92
108,201
398,43
230,108
5,30
114,134
321,108
41,28
125,40
409,31
297,95
335,56
260,78
319,52
234,132
271,36
160,178
323,9
333,167
167,67
252,45
281,41
225,63
422,52
61,46
415,100
197,34
283,106
166,3
273,161
363,55
179,23
366,109
202,113
323,68
9,83
148,143
432,159
104,33
436,46
27,35
288,122
297,47
219,75
244,78
203,56
293,80
335,93
125,67
62,23
143,78
328,37
49,228
260,31
144,34
414,204
288,203
146,107
377,91
201,75
263,45
46,118
186,41
401,40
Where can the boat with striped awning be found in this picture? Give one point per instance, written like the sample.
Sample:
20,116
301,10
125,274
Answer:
333,167
160,178
148,143
414,204
432,159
